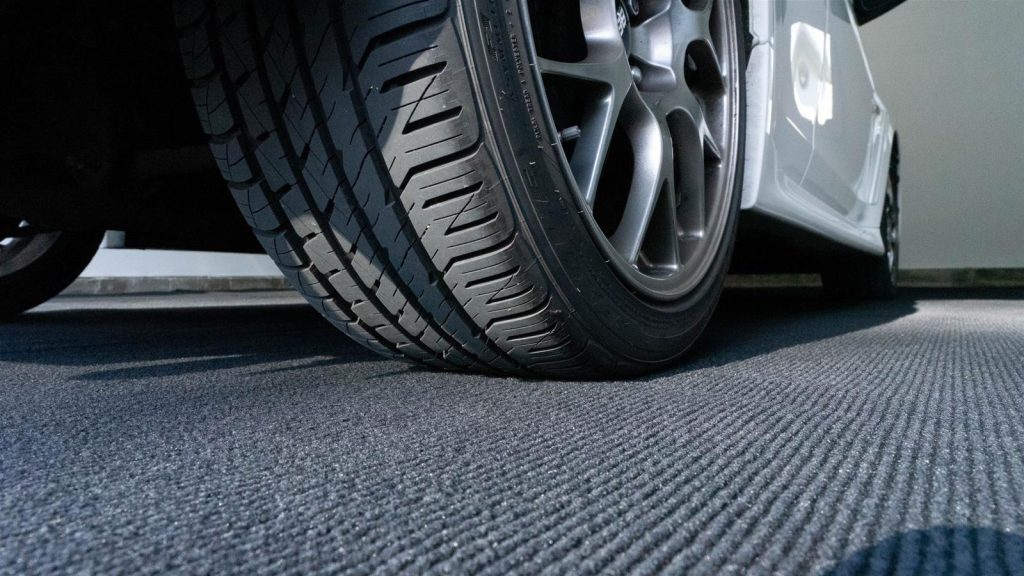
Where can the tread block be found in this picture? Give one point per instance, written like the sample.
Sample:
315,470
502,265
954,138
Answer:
350,136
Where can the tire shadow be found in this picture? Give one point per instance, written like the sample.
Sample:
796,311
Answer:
751,322
137,343
145,343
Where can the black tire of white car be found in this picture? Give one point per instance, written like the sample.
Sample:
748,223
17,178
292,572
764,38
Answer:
866,277
35,269
396,160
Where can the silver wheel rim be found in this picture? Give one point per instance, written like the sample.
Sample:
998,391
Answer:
18,253
646,114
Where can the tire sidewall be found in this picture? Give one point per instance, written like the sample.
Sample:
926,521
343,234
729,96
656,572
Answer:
596,301
50,274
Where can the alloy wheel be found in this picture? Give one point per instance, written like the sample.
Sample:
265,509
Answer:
18,252
644,98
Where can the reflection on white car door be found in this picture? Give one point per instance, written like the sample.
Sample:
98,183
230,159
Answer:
843,169
818,137
798,24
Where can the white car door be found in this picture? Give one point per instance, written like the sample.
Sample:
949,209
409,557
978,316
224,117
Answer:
818,137
843,172
799,25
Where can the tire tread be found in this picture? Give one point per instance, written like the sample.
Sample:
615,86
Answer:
351,140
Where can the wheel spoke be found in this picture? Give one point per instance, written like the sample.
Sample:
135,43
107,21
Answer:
599,118
606,68
614,81
683,99
649,146
699,26
592,150
595,71
665,85
661,247
712,153
703,62
675,251
656,58
600,28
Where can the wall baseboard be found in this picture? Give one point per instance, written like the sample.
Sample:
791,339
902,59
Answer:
158,285
938,278
964,278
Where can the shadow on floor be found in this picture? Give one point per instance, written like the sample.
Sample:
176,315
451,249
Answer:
124,344
135,343
753,322
940,550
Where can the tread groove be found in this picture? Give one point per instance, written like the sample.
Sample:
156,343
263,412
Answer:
216,53
457,310
412,76
395,276
291,159
431,121
352,138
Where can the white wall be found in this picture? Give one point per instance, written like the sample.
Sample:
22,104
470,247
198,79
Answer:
110,263
952,73
113,262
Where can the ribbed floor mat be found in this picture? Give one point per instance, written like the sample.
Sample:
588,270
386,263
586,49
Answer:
799,438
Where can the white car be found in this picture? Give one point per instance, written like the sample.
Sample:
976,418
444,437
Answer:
545,187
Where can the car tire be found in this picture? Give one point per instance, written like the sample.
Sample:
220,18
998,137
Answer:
35,269
866,277
405,165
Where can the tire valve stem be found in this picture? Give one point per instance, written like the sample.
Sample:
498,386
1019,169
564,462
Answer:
570,134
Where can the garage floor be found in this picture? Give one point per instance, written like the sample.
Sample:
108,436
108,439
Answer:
241,433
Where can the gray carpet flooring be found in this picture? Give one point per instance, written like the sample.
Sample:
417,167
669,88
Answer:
242,434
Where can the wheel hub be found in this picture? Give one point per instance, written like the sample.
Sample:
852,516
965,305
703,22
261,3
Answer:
650,139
